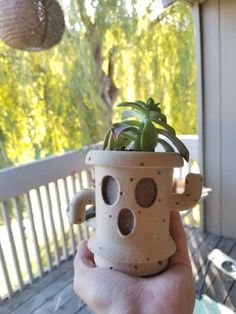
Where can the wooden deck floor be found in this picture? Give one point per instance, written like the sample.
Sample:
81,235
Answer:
54,292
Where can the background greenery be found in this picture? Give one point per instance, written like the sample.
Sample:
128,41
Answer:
112,51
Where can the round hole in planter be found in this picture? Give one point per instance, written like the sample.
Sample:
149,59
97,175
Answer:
146,192
126,221
110,190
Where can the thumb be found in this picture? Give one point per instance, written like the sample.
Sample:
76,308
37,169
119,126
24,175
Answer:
84,256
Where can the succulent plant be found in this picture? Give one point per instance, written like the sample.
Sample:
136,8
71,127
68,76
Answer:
142,128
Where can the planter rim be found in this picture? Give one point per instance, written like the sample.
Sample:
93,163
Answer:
134,159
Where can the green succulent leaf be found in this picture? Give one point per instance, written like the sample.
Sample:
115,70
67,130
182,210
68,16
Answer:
141,103
111,143
129,135
157,108
134,105
131,114
157,116
167,147
167,127
141,125
182,149
133,123
123,142
119,128
106,139
148,136
150,104
137,144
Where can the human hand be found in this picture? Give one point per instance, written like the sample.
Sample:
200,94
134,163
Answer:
109,291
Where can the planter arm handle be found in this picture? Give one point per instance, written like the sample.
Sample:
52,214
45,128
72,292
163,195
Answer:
190,196
77,212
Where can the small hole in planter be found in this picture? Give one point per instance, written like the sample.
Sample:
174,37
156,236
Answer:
100,247
163,220
126,221
111,268
195,200
187,194
110,216
141,164
148,259
131,179
135,266
177,203
160,262
159,173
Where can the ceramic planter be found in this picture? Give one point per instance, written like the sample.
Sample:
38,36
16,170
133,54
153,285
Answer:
133,198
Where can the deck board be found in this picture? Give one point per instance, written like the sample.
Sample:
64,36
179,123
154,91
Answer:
45,294
54,292
72,306
199,256
231,297
29,293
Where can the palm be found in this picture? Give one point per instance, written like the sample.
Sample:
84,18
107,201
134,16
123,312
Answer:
109,291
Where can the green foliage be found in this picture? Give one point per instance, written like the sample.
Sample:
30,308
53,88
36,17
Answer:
51,101
142,129
159,60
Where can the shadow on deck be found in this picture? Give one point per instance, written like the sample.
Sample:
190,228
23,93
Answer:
54,292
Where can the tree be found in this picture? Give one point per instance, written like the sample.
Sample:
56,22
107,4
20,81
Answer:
64,98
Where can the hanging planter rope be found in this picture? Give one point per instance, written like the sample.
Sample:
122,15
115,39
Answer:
31,24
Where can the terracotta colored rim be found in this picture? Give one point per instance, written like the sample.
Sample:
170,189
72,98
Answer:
134,159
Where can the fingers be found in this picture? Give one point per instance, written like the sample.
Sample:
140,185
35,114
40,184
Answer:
178,234
177,231
176,226
98,287
83,267
84,255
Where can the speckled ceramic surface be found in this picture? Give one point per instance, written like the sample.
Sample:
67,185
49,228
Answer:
133,198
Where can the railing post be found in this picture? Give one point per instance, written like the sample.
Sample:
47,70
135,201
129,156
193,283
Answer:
7,223
45,198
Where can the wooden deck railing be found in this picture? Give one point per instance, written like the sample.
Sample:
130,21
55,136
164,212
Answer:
35,234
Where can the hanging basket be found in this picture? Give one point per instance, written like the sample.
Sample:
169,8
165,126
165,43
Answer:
31,24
